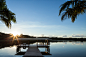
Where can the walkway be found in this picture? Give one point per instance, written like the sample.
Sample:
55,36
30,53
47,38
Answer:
33,51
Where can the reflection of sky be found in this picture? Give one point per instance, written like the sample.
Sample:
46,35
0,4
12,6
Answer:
7,51
61,49
73,43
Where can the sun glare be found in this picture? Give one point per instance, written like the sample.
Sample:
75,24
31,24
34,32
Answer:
14,47
15,33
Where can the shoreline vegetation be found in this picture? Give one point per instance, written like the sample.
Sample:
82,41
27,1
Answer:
4,36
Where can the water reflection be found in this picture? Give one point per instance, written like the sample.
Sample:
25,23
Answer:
68,50
73,43
55,49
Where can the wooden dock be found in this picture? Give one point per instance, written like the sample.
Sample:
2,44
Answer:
33,51
34,46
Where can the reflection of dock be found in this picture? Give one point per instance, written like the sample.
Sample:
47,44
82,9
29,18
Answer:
33,50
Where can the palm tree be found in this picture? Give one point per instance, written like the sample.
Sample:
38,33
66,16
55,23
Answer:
72,9
6,15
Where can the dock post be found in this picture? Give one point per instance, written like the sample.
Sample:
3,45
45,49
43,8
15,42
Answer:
37,42
49,49
43,43
47,42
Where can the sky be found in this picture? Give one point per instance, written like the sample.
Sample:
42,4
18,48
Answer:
41,17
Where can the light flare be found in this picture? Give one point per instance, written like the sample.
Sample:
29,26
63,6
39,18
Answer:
15,33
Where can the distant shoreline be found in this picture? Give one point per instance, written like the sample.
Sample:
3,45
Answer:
4,36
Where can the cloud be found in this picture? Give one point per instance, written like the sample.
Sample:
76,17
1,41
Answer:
78,35
75,35
41,26
36,25
64,35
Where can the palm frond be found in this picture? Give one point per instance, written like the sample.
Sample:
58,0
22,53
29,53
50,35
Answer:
64,6
6,15
77,8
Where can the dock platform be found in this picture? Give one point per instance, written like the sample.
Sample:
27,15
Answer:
19,46
33,51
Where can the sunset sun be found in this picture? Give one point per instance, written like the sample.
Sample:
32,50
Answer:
15,33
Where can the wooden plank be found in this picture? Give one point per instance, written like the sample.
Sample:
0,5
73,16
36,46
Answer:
33,51
34,45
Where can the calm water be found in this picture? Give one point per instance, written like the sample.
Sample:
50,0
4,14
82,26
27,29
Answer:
57,49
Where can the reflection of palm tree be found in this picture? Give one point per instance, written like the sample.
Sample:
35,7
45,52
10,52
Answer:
5,14
72,9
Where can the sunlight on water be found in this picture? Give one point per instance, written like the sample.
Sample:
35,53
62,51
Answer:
8,51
